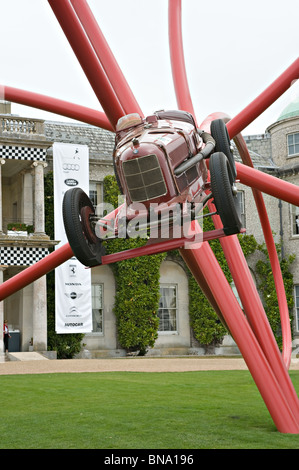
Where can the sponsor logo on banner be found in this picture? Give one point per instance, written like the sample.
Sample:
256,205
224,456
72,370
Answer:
72,280
71,182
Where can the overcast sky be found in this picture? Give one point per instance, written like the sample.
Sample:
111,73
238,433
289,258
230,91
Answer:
233,49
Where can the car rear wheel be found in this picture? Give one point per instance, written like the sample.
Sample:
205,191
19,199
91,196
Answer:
224,193
77,209
220,135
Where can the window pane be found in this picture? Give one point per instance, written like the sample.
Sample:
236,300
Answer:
234,289
97,308
93,193
297,306
295,220
293,144
167,308
96,195
240,198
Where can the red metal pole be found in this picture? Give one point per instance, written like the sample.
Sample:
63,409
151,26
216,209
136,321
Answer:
34,272
203,263
250,299
177,57
264,100
54,105
268,184
86,56
258,320
282,302
277,275
184,101
60,255
154,247
106,57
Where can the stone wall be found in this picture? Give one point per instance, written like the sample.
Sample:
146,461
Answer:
260,144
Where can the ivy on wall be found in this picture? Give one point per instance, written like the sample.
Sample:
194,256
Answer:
208,330
137,288
268,292
207,327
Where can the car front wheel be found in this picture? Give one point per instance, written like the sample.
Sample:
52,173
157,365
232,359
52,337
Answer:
224,193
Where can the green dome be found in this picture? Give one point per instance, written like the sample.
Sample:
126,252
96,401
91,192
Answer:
291,110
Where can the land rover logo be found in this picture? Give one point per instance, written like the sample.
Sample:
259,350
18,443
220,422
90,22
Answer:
71,182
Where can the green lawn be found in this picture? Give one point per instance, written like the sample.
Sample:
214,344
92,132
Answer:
188,410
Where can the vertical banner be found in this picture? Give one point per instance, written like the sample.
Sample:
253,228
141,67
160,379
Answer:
72,280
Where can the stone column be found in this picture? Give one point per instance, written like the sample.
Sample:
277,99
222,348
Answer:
39,209
27,209
2,162
40,314
2,269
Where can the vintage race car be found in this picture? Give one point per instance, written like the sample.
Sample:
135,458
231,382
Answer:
149,158
161,163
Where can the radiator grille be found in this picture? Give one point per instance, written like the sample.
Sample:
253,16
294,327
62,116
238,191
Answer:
144,178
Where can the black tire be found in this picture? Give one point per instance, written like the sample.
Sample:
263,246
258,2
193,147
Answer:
225,198
76,208
220,135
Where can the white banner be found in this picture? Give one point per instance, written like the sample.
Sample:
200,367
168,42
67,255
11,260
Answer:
72,279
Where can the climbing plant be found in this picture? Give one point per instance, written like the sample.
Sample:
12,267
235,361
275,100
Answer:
267,289
208,329
137,292
137,288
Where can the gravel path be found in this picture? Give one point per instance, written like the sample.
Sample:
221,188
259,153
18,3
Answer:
133,364
38,365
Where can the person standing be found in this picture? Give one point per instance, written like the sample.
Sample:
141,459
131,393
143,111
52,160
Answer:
6,336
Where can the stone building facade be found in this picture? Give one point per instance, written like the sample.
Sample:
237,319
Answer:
26,148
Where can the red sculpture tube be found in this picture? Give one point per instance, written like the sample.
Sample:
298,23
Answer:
37,270
177,58
80,44
201,265
252,334
258,320
268,184
283,307
264,100
277,276
62,254
248,294
235,259
107,59
54,105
